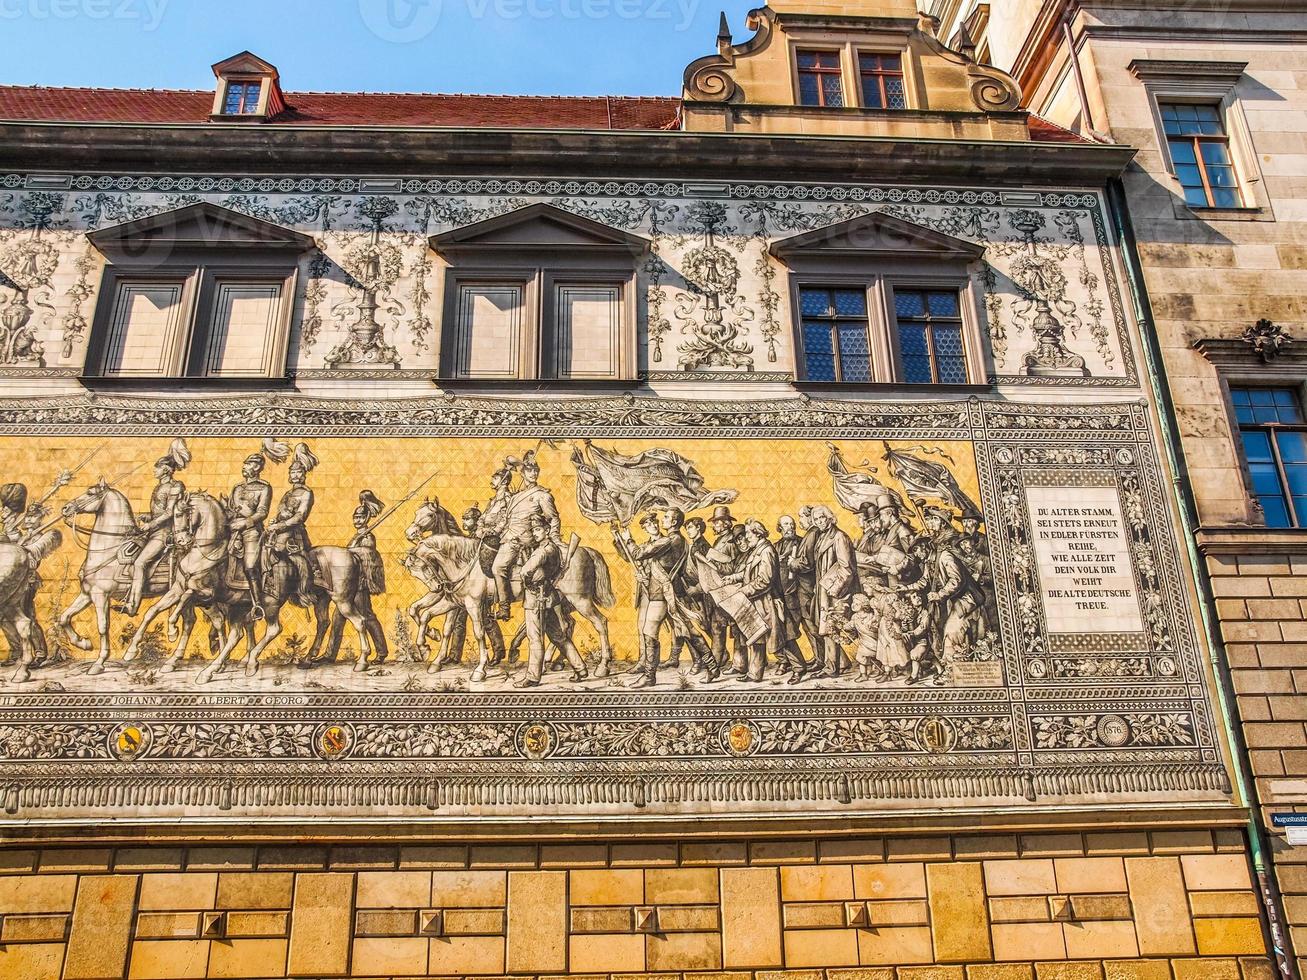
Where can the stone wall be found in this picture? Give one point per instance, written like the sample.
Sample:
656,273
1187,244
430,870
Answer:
1117,905
1261,599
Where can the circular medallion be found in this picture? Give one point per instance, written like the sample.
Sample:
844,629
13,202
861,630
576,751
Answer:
740,737
130,741
1125,457
332,742
936,734
1037,668
1166,666
536,739
1113,731
1004,455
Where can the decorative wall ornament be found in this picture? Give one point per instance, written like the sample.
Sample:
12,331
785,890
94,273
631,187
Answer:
1043,287
713,274
374,267
1267,339
26,271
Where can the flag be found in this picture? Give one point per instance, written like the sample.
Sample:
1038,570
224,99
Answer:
611,486
925,478
854,488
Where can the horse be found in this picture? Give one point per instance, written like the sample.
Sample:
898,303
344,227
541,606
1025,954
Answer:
584,583
202,574
102,576
199,579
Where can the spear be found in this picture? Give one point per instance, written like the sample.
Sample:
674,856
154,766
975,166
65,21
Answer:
398,504
65,477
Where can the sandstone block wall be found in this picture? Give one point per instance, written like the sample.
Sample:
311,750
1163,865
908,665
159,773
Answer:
1159,905
1262,601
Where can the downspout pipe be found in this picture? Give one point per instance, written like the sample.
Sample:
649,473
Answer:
1258,844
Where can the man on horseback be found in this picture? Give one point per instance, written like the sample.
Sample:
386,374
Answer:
157,525
248,508
288,535
529,503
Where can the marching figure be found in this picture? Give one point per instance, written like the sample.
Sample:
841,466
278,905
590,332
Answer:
157,525
364,542
288,537
547,612
837,581
248,508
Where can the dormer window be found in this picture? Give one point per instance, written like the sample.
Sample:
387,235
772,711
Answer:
242,98
882,81
249,90
821,79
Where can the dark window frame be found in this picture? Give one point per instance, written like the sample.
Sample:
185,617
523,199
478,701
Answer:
834,320
1195,142
881,76
201,272
819,72
245,85
1271,429
929,322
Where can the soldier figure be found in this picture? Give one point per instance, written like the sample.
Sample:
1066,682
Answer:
529,502
288,536
248,507
364,542
157,525
546,611
13,503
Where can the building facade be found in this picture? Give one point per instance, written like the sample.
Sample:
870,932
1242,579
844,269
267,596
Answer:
718,536
1210,94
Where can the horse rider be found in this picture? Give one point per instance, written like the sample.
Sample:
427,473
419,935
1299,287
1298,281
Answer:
247,509
531,501
547,614
157,525
364,542
288,535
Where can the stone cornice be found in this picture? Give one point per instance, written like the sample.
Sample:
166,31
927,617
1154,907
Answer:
1250,539
1162,69
304,149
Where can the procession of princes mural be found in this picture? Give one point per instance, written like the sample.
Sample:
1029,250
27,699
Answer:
504,595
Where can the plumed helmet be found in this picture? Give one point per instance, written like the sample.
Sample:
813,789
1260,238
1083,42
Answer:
369,505
177,457
13,496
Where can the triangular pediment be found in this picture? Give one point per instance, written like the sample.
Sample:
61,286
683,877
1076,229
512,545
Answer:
539,226
245,63
201,225
876,234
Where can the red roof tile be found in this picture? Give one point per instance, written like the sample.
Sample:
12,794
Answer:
345,109
1043,131
379,109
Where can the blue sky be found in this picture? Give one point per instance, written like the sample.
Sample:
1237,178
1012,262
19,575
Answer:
554,47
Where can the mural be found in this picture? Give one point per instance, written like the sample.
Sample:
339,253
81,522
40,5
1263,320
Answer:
631,563
474,606
714,302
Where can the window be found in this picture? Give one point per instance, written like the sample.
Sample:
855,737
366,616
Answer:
929,329
1200,152
489,339
200,292
882,81
587,330
820,78
882,300
836,342
539,293
1274,437
242,98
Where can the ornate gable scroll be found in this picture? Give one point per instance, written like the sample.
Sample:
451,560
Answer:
1001,584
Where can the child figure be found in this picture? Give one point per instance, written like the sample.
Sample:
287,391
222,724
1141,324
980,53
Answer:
917,625
865,622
